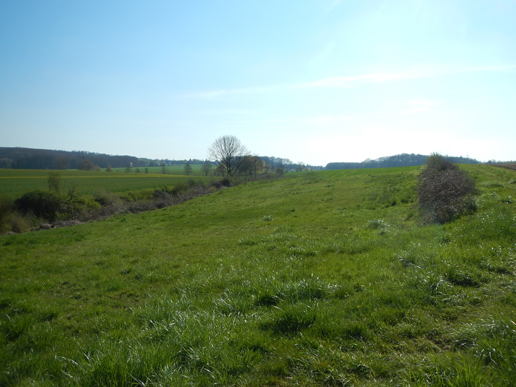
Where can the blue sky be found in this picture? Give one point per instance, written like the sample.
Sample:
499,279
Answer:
313,81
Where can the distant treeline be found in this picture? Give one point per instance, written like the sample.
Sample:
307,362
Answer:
27,158
278,162
401,160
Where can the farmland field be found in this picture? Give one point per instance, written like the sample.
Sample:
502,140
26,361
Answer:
319,278
16,182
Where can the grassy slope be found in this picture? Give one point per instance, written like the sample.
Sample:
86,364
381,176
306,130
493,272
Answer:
318,278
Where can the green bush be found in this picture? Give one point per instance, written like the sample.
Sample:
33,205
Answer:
19,223
133,196
226,182
10,219
178,188
73,208
105,198
6,208
52,206
54,181
42,204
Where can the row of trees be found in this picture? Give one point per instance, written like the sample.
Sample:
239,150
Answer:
232,158
240,160
28,158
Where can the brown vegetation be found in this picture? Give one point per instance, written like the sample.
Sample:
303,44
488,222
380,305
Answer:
506,165
444,190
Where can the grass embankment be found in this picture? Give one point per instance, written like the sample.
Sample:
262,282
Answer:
322,278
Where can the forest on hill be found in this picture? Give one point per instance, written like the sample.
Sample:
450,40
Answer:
28,158
401,160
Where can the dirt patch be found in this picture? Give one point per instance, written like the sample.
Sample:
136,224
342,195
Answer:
506,165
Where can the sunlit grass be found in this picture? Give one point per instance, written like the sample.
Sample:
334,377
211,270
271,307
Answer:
323,278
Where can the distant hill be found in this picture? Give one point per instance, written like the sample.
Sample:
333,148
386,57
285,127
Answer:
401,160
28,158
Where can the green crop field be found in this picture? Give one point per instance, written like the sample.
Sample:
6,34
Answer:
176,169
319,278
16,182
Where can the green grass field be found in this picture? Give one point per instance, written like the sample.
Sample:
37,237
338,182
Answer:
16,182
320,278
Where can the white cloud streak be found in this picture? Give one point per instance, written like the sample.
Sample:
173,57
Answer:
342,81
490,68
355,81
418,107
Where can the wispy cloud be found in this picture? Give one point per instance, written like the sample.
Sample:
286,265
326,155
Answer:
490,68
418,106
332,82
243,90
342,81
357,80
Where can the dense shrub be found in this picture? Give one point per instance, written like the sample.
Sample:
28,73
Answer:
54,181
43,204
162,199
77,206
444,191
178,188
52,206
58,207
6,207
19,223
105,198
161,195
226,182
10,220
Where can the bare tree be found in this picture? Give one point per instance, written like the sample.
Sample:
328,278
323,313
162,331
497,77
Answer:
206,167
54,181
228,153
252,165
258,166
188,168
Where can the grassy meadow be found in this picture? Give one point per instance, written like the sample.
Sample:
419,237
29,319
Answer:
317,278
16,182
